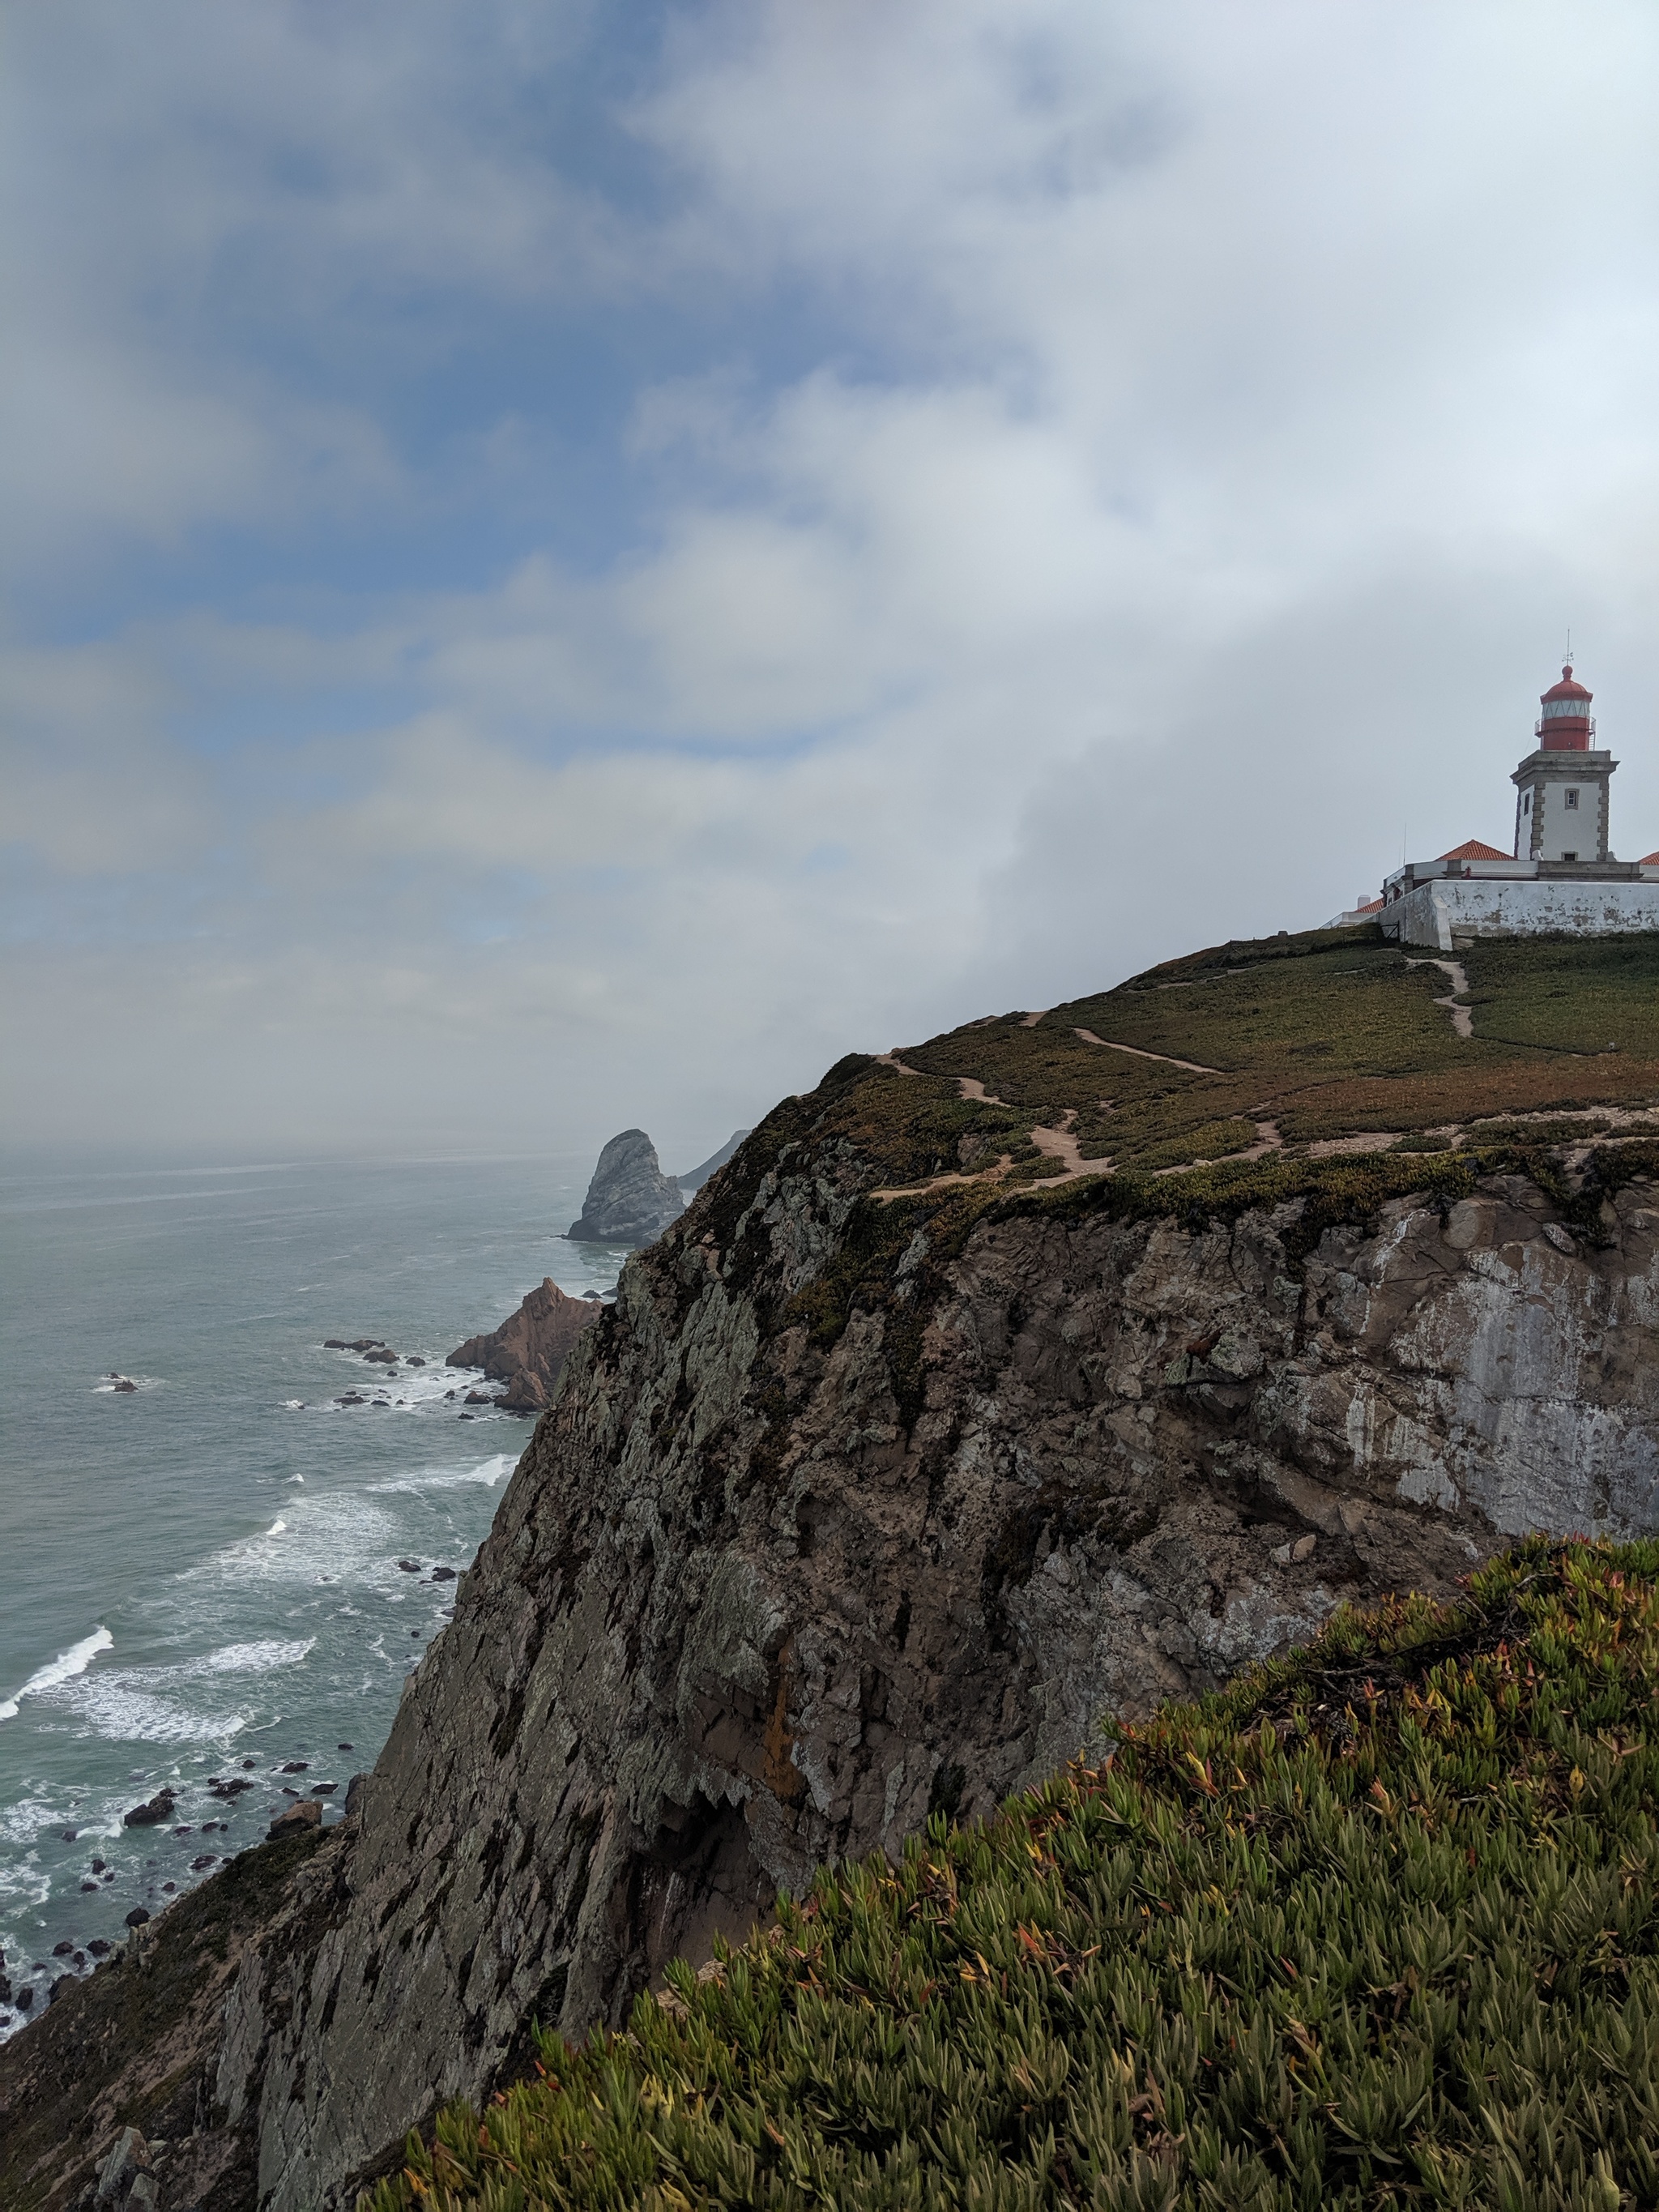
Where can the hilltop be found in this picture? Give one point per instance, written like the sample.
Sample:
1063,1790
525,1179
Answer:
1292,1047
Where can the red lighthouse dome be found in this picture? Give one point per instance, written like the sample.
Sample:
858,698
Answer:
1564,726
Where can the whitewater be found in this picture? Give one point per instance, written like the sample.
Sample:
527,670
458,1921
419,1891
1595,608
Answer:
220,1574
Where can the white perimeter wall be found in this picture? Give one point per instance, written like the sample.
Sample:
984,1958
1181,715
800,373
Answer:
1433,912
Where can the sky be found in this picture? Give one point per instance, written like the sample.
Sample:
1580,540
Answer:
566,566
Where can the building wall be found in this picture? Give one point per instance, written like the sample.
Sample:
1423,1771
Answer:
1550,828
1443,914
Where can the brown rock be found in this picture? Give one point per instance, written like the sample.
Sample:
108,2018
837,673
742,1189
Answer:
528,1351
307,1813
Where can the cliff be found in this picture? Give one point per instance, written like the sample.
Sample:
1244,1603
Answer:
944,1419
528,1351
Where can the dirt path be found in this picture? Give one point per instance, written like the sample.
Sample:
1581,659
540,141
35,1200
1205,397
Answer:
1193,1066
1462,1017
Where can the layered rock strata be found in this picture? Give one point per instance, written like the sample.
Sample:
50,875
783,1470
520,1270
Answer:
843,1515
770,1587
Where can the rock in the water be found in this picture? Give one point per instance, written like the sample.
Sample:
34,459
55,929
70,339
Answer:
125,1387
153,1815
528,1351
381,1356
630,1200
307,1813
354,1344
137,1917
698,1177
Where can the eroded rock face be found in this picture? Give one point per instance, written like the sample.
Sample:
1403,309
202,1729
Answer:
528,1351
767,1586
630,1200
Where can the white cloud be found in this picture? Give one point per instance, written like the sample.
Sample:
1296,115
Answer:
1101,472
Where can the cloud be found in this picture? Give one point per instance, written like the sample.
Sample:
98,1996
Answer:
688,553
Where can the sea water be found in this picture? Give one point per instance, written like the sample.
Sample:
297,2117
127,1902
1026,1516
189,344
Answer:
224,1574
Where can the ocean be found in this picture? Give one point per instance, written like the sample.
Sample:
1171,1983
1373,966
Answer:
223,1574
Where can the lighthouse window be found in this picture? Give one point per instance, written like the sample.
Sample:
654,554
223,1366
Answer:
1572,798
1555,709
1526,804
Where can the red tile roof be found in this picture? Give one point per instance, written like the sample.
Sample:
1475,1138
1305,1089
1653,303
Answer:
1649,860
1473,849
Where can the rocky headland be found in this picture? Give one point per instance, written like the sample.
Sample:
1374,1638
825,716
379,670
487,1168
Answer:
1064,1364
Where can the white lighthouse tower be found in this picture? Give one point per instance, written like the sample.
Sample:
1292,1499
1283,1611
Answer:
1562,788
1560,879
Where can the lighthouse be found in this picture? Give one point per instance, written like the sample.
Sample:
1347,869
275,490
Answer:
1560,879
1561,787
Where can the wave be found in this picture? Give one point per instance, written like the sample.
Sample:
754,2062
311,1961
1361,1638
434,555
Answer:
151,1704
276,1527
491,1470
63,1669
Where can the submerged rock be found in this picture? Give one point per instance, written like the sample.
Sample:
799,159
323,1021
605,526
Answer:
630,1200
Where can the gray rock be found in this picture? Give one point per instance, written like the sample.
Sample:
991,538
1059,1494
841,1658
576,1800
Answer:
630,1200
128,2157
693,1182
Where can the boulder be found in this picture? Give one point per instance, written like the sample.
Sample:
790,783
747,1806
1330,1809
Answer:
630,1200
528,1351
128,2157
298,1819
153,1815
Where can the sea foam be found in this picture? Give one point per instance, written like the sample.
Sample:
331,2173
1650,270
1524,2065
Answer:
62,1669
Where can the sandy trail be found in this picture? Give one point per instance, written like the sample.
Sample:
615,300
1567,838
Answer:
1462,1017
1193,1066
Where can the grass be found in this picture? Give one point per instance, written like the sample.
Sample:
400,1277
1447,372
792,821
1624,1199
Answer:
1331,1034
1376,1928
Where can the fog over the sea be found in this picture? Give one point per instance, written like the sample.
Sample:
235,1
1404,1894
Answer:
567,565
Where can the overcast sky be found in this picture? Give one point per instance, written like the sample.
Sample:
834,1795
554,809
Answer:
568,565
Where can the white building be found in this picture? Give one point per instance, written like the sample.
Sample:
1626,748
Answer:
1561,875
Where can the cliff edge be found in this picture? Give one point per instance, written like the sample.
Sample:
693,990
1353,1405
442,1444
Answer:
953,1411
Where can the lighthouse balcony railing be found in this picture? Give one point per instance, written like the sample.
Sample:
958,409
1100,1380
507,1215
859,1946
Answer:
1546,723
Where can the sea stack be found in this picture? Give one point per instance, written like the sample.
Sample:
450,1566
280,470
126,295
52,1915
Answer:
630,1200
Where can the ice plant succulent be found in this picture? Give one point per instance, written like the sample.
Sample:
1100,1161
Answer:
1378,1926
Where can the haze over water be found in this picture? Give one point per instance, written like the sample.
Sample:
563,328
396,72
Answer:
205,1573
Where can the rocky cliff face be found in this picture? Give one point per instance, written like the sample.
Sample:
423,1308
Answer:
912,1446
630,1200
528,1351
793,1560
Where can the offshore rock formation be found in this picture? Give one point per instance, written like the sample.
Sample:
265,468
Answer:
528,1351
630,1200
693,1180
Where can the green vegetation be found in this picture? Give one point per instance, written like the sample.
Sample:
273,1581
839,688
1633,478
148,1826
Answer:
1376,1928
1329,1035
